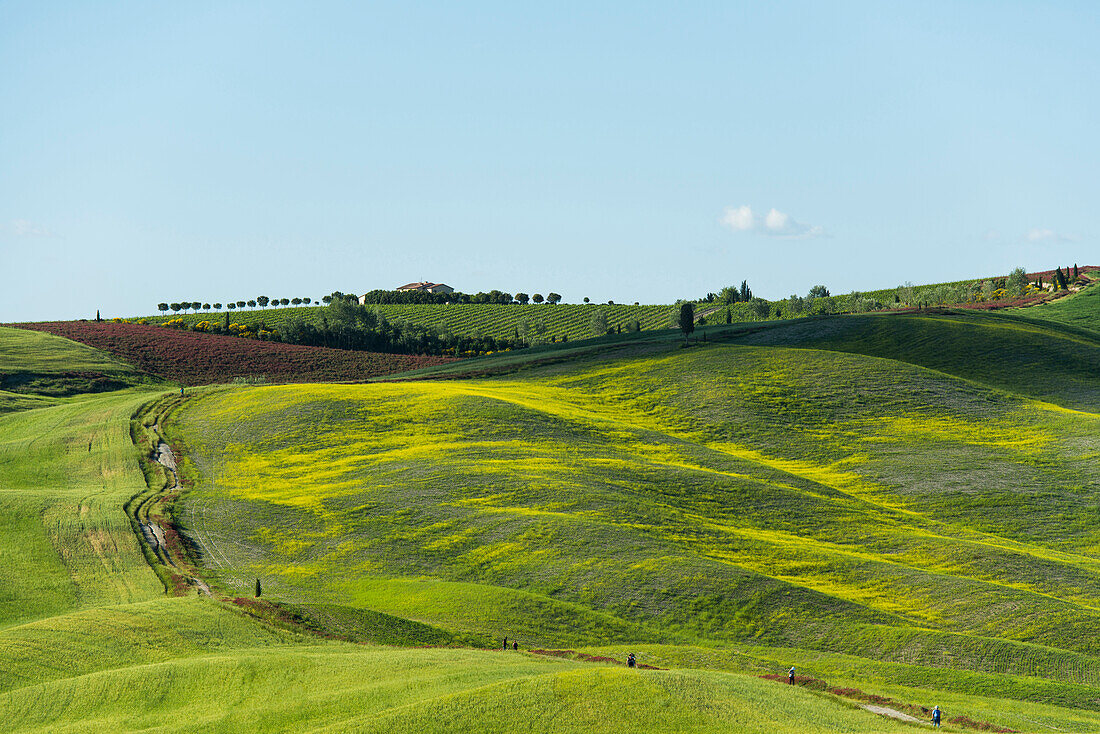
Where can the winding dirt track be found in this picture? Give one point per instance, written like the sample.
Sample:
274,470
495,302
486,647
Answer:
152,532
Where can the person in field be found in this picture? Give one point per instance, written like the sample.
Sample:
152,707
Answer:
515,645
790,676
630,660
936,717
505,643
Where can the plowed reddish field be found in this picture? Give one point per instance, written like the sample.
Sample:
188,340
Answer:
199,359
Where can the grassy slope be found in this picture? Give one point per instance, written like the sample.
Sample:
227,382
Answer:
1045,361
65,471
38,369
387,690
717,495
1081,310
88,642
469,319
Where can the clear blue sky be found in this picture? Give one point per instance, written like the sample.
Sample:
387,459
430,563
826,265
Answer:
631,151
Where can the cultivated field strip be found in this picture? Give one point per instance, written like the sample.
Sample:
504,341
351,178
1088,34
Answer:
501,321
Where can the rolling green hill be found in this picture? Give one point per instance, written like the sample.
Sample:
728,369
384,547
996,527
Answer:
908,490
90,642
1081,309
1047,361
904,505
38,369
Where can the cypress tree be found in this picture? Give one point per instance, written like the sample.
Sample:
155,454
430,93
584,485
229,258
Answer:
1076,273
97,315
258,589
729,316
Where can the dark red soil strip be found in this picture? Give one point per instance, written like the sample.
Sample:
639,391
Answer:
192,358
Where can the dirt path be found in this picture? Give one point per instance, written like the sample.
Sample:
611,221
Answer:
166,458
892,713
152,532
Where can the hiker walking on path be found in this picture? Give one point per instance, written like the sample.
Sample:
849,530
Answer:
936,717
630,661
515,645
790,676
505,643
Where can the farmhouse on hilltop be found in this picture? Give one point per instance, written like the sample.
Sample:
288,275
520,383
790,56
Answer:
429,287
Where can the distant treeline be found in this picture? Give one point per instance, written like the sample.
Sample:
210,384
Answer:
381,297
348,325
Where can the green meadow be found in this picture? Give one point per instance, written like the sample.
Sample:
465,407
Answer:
904,492
900,504
90,640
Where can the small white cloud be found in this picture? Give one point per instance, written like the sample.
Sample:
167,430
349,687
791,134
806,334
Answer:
27,228
739,218
775,223
1036,234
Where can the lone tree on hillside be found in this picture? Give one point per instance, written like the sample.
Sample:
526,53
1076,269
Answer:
206,307
296,301
686,322
162,306
263,301
251,303
232,306
1016,282
176,307
537,298
553,298
522,298
284,301
598,323
241,304
586,299
217,307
